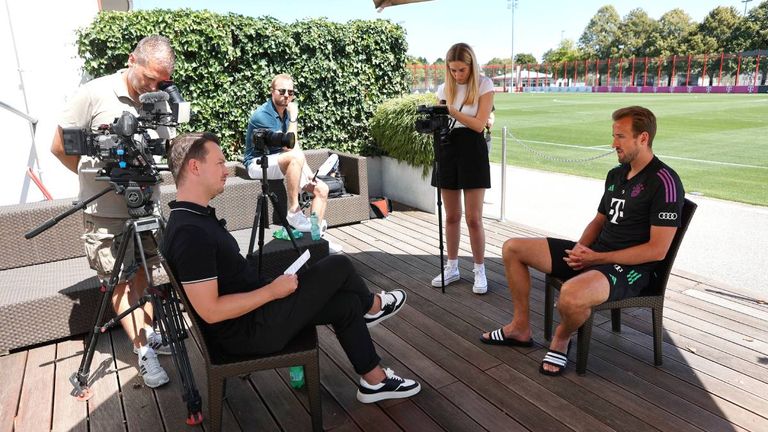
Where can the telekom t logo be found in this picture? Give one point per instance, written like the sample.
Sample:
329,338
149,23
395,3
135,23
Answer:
617,206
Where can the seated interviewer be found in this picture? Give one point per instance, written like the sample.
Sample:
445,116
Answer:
244,315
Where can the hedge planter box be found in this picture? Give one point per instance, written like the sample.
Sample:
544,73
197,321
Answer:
403,183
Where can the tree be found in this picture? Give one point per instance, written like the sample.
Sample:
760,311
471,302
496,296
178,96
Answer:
566,51
602,30
525,58
674,27
635,35
715,34
497,66
753,35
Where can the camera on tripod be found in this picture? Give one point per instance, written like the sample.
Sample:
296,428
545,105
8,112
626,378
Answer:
126,148
268,141
434,118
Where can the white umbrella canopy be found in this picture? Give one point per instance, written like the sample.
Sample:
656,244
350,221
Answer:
381,4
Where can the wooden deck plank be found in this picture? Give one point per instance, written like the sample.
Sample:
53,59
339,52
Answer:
105,410
281,401
69,414
34,412
12,373
141,410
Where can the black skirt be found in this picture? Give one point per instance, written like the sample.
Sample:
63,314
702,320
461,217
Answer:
463,162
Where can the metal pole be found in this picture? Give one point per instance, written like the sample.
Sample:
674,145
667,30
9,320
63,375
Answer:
503,200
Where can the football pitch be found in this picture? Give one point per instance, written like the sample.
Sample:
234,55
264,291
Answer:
718,144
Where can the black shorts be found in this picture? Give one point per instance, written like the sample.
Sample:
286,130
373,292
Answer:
625,280
463,161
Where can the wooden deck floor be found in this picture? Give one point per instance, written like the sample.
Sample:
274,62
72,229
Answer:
714,377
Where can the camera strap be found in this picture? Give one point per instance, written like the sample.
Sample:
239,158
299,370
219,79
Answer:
453,123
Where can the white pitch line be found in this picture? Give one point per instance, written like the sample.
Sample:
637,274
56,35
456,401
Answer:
603,147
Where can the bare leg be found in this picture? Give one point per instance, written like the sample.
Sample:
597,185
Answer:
452,204
577,296
473,214
126,295
320,201
291,164
518,254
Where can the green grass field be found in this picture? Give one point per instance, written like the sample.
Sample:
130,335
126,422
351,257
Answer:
718,144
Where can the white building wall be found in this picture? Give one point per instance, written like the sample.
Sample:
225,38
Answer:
44,33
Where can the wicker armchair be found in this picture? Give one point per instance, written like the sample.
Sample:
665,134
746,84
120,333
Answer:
652,297
301,351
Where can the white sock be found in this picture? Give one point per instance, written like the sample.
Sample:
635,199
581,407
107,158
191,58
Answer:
480,266
453,264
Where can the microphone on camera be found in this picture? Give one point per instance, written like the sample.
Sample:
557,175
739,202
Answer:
153,97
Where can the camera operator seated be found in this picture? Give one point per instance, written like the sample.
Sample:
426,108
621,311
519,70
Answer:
279,114
97,103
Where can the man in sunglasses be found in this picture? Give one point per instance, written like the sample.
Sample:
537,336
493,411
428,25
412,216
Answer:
280,114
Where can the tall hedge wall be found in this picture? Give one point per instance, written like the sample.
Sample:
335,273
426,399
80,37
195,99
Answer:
226,62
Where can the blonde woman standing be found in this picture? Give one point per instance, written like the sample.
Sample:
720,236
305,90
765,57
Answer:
463,165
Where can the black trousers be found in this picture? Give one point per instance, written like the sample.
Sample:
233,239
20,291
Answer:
329,292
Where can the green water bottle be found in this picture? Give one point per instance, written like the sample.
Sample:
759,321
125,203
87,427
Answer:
296,374
315,227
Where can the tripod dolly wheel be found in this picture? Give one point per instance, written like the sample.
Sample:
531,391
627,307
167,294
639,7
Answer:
195,419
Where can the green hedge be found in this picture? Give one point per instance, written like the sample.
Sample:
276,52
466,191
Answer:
226,62
392,126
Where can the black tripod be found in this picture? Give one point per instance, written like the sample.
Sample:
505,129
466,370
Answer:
164,300
439,138
261,217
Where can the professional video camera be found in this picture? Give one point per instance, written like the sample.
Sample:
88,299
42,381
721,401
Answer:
434,118
127,146
269,141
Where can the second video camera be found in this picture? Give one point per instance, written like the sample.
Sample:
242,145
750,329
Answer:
269,141
434,118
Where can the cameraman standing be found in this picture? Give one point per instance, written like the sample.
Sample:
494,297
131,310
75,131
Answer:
280,114
96,103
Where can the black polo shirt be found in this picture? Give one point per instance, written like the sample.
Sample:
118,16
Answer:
198,248
654,196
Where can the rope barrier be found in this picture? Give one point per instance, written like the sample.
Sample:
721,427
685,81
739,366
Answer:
554,158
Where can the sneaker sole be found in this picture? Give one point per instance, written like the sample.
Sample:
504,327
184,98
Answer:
385,317
438,284
480,290
158,384
371,398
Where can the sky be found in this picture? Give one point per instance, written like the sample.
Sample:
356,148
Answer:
487,25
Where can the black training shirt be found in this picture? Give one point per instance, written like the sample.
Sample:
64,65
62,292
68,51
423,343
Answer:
654,196
198,248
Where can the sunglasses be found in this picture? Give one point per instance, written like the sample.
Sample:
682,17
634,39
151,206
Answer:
283,91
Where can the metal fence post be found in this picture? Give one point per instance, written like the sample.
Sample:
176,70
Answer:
502,216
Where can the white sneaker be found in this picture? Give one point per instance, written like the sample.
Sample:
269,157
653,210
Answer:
481,283
155,341
451,275
393,387
154,375
299,221
391,303
334,248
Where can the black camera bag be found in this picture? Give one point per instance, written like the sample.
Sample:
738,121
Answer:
335,185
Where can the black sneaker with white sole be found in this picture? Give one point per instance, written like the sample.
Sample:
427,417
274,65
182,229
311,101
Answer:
391,303
393,387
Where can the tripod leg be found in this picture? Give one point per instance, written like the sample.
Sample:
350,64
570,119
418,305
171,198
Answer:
80,378
284,222
173,330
